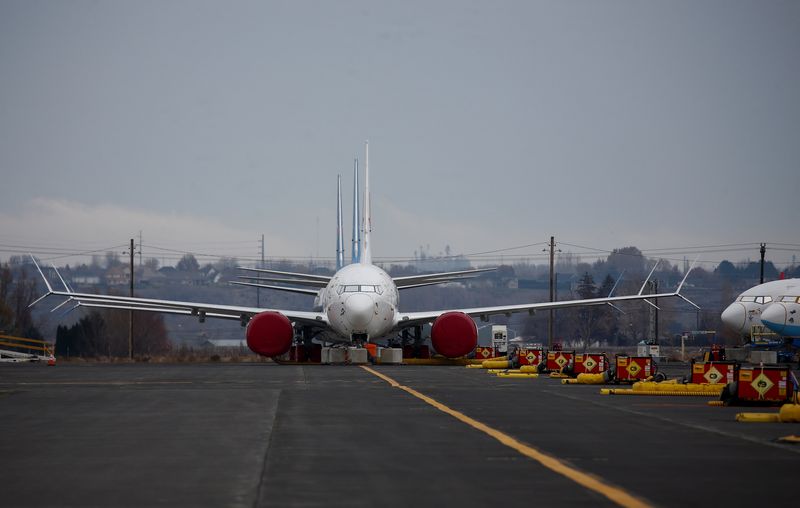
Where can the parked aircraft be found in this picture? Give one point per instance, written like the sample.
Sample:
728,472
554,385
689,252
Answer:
359,303
773,304
783,315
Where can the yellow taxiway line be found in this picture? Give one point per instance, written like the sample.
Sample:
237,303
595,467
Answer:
591,482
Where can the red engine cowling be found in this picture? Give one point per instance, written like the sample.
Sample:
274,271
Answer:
269,334
454,334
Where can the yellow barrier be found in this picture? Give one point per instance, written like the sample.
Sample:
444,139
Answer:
789,413
758,417
496,364
674,387
530,369
518,375
586,379
628,391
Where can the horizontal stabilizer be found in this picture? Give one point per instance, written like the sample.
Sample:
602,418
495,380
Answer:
279,288
411,280
306,276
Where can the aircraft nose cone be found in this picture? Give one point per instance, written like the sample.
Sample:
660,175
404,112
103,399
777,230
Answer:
735,316
774,317
359,309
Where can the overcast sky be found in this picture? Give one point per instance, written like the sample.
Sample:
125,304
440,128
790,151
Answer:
491,124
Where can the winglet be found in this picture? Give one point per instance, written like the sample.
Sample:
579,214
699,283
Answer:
46,283
687,301
687,275
615,284
648,277
66,287
680,286
616,308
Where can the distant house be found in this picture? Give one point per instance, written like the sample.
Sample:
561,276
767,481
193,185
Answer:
117,276
85,280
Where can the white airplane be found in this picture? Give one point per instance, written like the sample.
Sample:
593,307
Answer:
359,303
774,304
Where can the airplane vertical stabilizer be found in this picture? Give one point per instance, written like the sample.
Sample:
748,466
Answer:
355,255
339,228
366,246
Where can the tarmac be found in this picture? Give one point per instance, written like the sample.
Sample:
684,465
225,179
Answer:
261,434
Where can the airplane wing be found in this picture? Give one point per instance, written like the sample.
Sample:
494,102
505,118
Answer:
411,280
201,310
406,319
416,318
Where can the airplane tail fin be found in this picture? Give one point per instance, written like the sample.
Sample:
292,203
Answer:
339,231
355,250
366,251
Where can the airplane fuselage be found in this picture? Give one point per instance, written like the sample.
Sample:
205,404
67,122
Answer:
772,304
360,302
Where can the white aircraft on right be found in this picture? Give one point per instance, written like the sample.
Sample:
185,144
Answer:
775,305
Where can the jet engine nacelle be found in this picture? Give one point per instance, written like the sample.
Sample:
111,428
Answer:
269,334
454,334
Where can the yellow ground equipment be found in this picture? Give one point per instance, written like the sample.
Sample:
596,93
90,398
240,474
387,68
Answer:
630,369
789,413
588,379
714,372
668,389
518,375
496,364
760,386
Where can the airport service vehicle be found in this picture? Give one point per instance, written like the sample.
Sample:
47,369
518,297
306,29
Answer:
775,305
358,304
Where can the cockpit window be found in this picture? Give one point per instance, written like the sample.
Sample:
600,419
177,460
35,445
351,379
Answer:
748,299
790,299
763,299
363,288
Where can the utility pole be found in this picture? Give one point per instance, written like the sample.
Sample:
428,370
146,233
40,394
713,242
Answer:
552,293
654,312
130,312
763,251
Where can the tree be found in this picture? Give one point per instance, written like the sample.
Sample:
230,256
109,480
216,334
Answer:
85,339
588,320
188,263
15,299
726,270
629,259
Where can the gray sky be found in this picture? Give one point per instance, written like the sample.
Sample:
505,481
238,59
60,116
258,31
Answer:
491,124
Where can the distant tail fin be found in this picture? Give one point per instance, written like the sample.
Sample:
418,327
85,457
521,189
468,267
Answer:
366,251
339,228
355,255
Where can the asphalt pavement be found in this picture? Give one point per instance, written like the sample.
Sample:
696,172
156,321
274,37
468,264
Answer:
261,434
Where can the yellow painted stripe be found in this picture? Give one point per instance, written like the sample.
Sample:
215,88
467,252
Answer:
587,480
